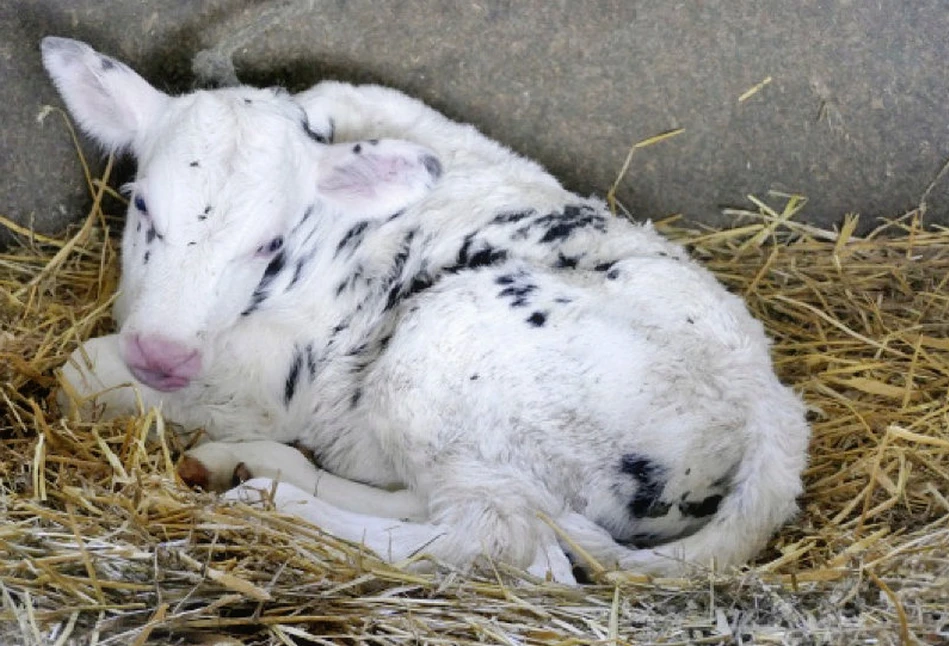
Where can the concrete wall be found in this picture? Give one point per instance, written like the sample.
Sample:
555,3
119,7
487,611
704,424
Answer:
856,115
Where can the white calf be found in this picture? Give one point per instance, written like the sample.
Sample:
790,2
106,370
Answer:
440,316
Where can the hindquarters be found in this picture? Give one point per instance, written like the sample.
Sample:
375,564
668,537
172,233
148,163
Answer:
737,516
512,390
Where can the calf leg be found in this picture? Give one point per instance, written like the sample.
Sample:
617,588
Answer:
96,381
394,540
550,559
213,466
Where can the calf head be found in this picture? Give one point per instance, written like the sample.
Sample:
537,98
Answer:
225,180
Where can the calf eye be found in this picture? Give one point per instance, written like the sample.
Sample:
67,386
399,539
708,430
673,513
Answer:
271,247
139,203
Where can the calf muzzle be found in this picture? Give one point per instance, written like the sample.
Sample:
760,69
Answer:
161,363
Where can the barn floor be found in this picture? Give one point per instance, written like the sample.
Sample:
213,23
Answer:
100,544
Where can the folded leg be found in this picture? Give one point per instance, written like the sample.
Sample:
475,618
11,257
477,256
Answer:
213,466
96,381
392,540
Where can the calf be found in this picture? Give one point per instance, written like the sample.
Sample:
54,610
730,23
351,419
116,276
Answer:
465,346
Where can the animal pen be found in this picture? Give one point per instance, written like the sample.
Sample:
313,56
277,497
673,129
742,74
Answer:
101,544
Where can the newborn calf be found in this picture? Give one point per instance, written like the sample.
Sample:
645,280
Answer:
439,317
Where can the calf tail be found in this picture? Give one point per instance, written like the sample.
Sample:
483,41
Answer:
761,499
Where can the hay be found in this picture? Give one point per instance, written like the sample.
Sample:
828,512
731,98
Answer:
101,545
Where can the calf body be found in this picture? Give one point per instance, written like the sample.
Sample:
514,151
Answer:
440,316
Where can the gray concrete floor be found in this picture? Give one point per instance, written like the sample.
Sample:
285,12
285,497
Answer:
854,117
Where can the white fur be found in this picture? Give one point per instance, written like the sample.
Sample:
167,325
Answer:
494,343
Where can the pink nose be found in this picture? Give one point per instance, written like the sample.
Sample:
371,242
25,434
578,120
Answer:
160,363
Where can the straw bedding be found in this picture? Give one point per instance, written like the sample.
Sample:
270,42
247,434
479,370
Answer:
99,544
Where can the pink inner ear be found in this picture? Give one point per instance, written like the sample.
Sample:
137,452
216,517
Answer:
364,175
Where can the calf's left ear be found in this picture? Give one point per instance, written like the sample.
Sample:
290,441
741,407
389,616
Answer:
377,178
111,103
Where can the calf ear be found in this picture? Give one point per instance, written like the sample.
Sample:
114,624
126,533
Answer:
111,103
377,178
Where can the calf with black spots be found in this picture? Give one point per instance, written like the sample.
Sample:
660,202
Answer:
463,346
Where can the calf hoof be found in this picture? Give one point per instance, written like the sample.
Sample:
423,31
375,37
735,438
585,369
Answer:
241,475
193,473
196,474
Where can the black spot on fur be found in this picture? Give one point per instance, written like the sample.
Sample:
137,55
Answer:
394,297
518,293
559,231
561,226
563,300
505,279
357,395
701,509
310,361
650,482
297,271
247,101
537,319
145,258
474,377
205,213
275,266
566,262
396,284
138,226
612,274
357,149
352,238
604,266
374,142
351,281
106,63
511,217
358,351
690,320
150,235
293,376
262,291
195,164
432,165
419,283
192,243
484,256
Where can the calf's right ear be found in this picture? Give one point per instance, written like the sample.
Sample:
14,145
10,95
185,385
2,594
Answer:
111,103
